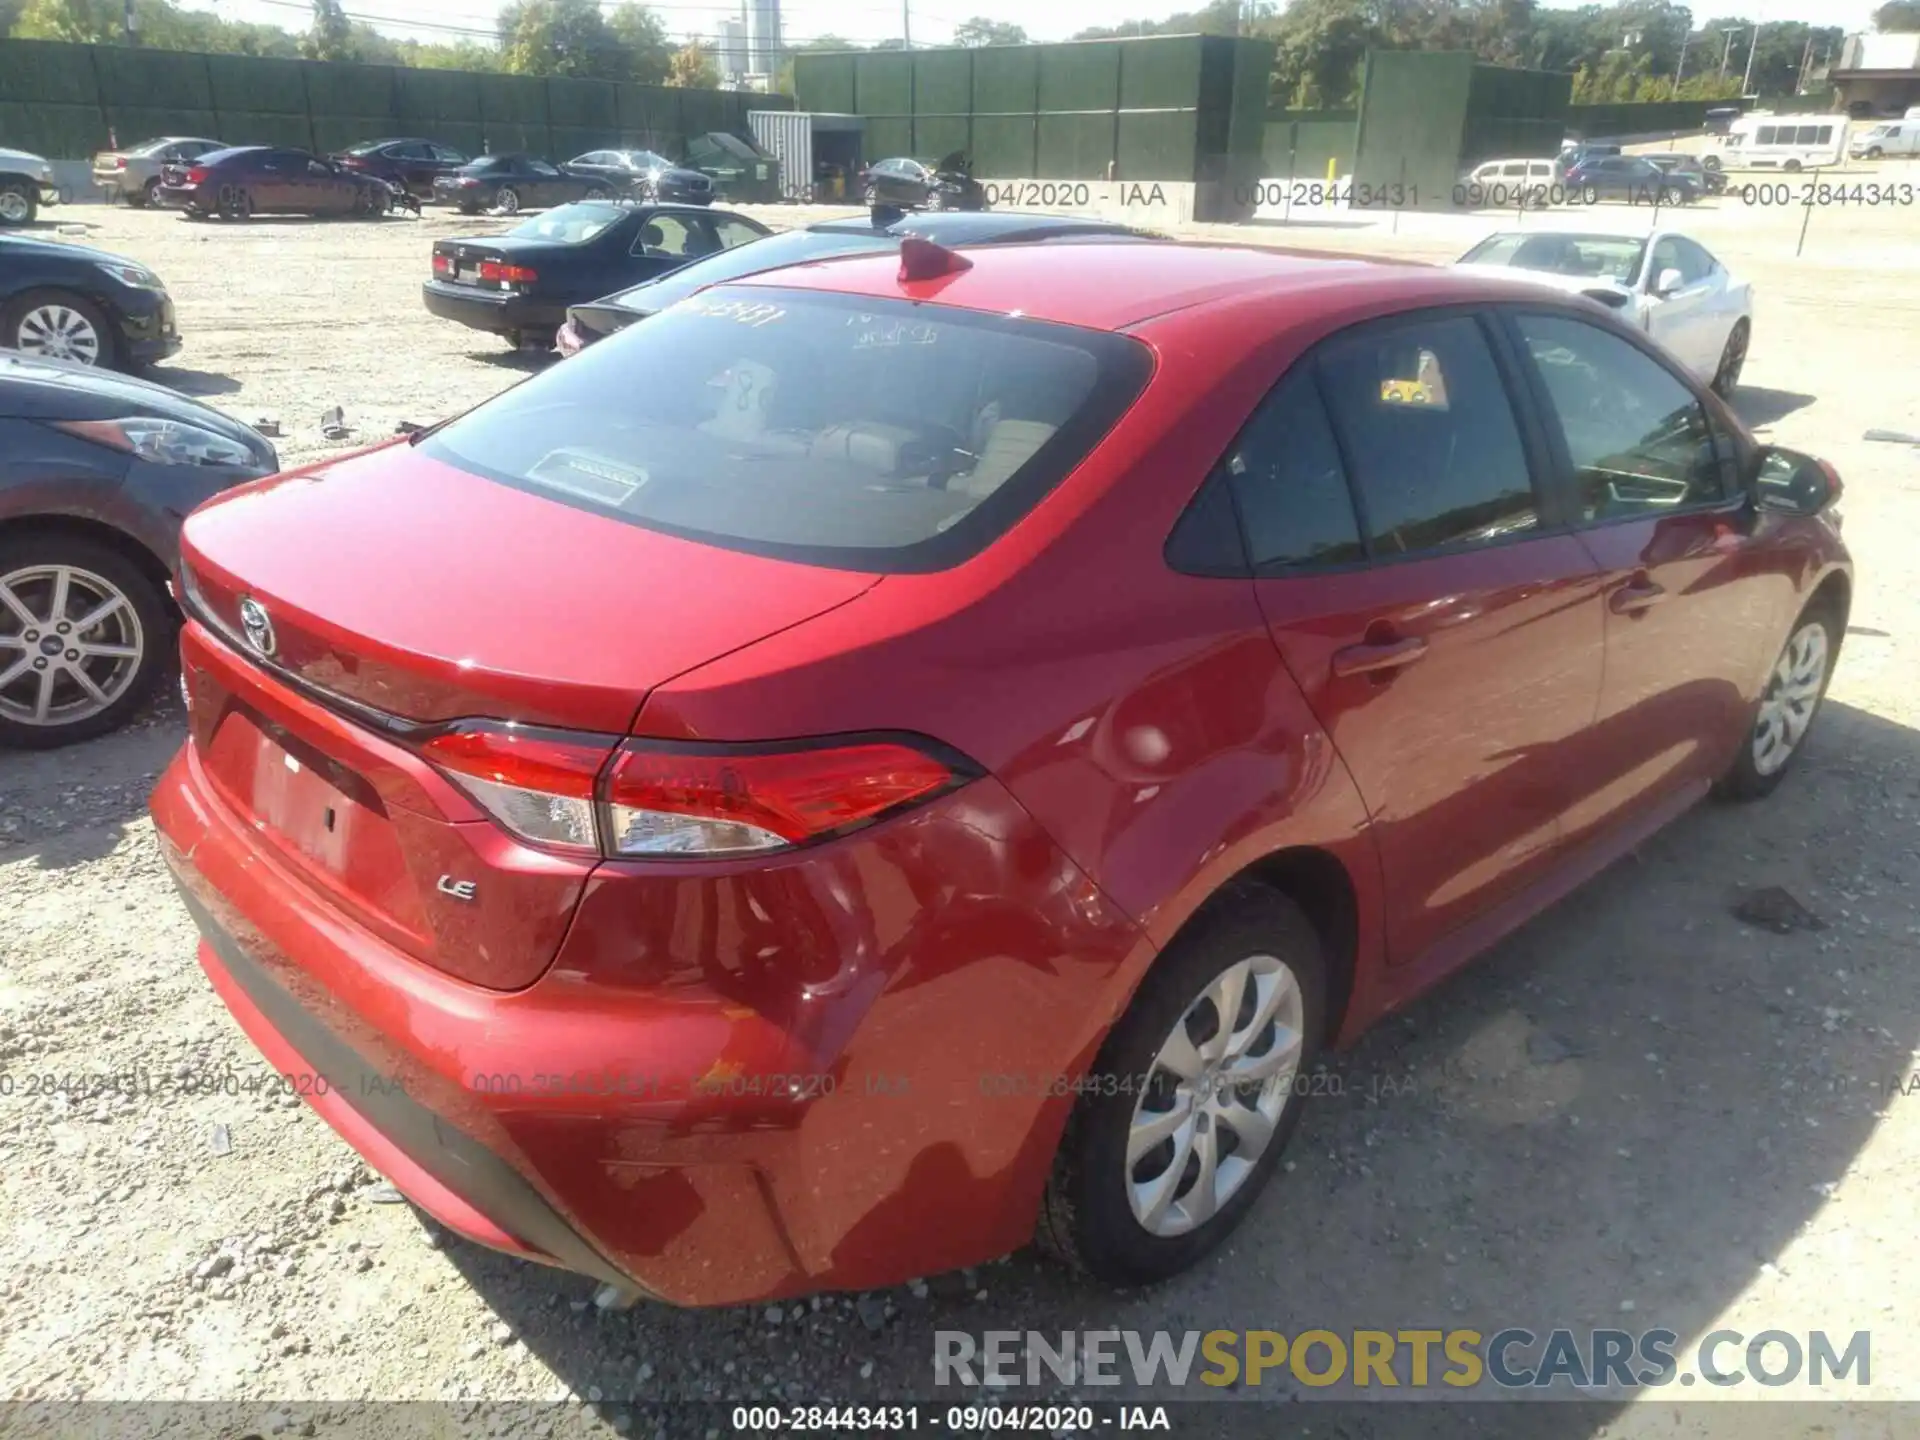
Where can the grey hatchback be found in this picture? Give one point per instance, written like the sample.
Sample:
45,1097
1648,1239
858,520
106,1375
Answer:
97,471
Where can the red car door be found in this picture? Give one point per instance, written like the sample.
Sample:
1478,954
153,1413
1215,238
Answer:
1445,630
1692,616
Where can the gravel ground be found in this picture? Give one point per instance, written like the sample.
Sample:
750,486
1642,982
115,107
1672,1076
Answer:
1638,1111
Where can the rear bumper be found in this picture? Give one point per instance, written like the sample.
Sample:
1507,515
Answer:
714,1108
491,311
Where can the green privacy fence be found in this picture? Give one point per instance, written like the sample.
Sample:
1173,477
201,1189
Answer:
1514,114
1592,122
63,101
1185,108
1299,144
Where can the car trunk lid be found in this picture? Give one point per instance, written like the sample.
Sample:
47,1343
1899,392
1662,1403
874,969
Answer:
390,593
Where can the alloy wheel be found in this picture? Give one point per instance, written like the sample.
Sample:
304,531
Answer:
508,201
1214,1094
59,332
14,206
70,644
1792,696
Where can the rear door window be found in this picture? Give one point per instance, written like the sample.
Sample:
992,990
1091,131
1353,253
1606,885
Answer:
1424,418
865,434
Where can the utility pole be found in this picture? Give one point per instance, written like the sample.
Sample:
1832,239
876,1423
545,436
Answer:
1806,58
1726,51
906,25
1681,69
132,23
1753,47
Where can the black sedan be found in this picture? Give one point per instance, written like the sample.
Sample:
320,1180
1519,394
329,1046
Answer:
409,165
645,176
96,473
1631,178
520,284
947,184
512,183
66,302
590,322
249,180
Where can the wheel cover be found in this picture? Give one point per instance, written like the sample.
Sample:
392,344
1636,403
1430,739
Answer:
70,644
1213,1095
1792,696
59,332
13,206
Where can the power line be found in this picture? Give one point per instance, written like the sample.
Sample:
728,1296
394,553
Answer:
493,32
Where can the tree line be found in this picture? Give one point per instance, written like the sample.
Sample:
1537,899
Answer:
532,37
1635,50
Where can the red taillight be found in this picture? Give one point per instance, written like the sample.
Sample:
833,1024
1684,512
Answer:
660,800
442,264
197,174
675,800
507,274
119,162
537,783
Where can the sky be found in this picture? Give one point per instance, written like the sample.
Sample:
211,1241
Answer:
866,21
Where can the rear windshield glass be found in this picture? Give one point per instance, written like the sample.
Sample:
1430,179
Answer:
874,435
770,253
568,225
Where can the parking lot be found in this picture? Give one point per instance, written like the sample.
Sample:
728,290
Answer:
1638,1111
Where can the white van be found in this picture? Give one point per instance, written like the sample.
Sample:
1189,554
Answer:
1781,142
1889,137
1500,183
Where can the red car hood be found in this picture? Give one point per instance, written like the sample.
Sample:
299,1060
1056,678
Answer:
411,586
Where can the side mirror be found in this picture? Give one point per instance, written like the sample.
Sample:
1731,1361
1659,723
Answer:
1669,280
1795,484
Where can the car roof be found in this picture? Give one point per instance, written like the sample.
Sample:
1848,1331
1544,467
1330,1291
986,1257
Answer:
1118,287
971,227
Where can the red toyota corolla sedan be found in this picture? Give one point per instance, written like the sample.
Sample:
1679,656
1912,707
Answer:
898,754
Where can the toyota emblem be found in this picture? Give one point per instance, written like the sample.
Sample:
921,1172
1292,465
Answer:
258,625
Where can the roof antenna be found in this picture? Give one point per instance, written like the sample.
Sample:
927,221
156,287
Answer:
921,259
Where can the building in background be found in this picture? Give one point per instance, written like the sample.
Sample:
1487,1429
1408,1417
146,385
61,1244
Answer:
1877,75
763,36
730,50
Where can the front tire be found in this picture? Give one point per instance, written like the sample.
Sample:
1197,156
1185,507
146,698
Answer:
58,325
1795,688
94,648
18,203
1194,1094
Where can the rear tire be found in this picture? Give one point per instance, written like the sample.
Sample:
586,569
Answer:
507,200
236,202
1733,358
1792,167
143,625
1140,1220
1795,690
